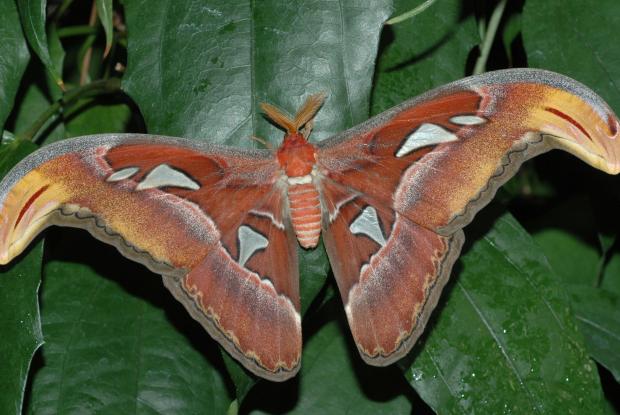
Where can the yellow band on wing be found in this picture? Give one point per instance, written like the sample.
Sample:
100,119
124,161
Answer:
25,213
575,126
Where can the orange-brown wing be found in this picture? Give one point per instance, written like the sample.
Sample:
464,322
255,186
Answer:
399,188
209,219
390,272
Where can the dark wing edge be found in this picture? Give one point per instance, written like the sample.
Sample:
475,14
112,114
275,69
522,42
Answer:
454,243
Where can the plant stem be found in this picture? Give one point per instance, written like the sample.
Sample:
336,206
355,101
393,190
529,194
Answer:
411,13
489,36
88,46
80,30
101,87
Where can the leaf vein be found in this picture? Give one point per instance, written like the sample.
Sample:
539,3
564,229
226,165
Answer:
598,326
499,342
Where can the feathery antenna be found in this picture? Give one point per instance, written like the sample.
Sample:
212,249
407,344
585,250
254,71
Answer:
305,114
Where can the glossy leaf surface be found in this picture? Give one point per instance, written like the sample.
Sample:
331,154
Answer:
14,56
507,327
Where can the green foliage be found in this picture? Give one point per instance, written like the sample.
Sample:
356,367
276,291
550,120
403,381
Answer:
21,322
115,343
14,56
529,309
509,306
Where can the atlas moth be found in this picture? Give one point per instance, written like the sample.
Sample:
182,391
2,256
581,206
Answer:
389,197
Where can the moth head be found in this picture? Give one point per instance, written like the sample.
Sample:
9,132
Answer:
296,155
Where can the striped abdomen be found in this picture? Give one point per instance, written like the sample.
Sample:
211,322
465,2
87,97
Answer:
305,208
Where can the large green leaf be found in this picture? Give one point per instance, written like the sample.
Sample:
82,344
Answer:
20,324
578,39
240,53
424,52
14,57
506,340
